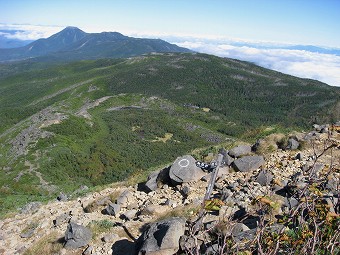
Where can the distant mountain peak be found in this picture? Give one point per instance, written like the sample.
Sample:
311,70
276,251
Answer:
70,30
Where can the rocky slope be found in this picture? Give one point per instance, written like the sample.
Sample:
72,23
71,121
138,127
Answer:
252,193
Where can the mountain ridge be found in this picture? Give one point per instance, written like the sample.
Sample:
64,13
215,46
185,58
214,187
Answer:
72,43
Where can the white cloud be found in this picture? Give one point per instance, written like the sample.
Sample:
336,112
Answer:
28,32
301,63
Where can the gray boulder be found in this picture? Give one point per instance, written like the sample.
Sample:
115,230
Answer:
248,163
184,169
77,236
156,179
292,144
240,150
112,209
125,198
264,178
162,237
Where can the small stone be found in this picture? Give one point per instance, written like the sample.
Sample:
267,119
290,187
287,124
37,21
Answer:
185,190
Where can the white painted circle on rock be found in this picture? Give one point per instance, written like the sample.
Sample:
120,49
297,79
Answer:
183,163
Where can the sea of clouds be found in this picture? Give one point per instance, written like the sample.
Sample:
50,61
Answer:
324,67
301,63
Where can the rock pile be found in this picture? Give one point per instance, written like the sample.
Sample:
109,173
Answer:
158,216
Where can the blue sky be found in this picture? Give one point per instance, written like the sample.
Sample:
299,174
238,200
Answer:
292,21
228,28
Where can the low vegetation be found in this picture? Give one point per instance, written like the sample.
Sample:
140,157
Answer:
161,106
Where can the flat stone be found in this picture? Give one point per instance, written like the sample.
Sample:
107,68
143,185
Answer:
248,163
240,150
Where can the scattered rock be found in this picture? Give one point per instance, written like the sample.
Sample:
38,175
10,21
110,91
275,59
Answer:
77,236
184,170
162,237
248,163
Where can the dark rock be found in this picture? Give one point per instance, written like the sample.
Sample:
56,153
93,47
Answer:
292,144
184,170
123,247
299,156
264,178
162,237
185,190
248,163
240,150
112,209
151,183
77,236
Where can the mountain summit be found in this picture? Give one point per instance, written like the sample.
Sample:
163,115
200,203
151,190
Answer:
74,44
